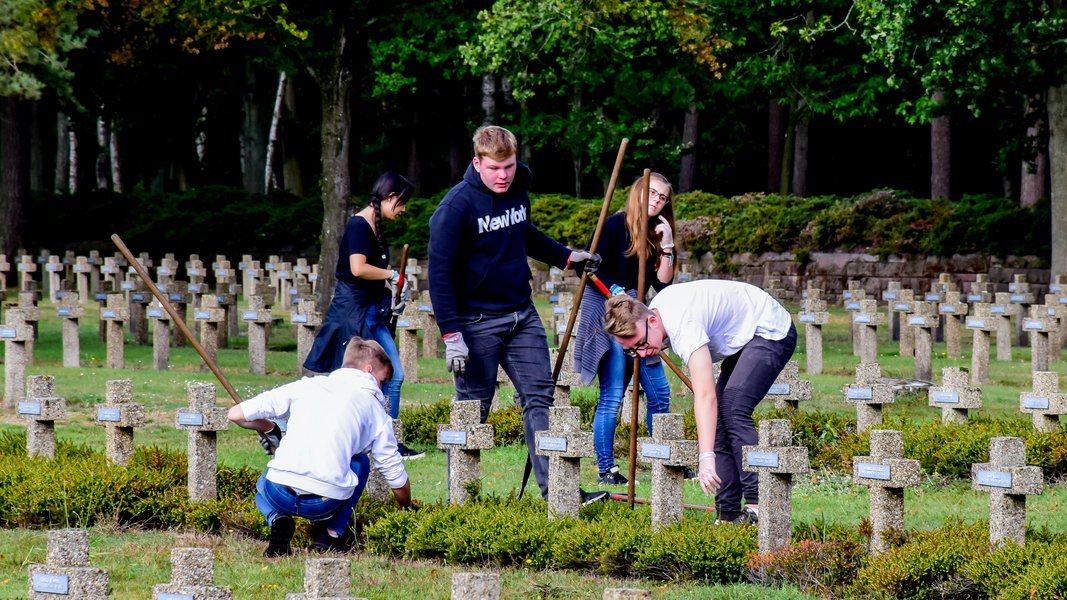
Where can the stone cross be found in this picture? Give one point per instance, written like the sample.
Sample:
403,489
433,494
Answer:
923,321
284,274
903,306
565,444
1008,481
203,420
1020,297
252,275
564,301
431,334
56,271
119,414
16,334
306,320
885,473
271,267
413,270
161,335
226,298
1056,309
66,572
1045,403
475,586
41,411
211,318
776,462
69,311
408,325
464,437
788,389
868,395
26,267
1000,312
981,323
167,270
115,314
243,265
953,309
110,271
813,316
980,290
865,322
301,270
892,291
850,299
377,487
178,296
313,279
568,378
670,453
954,397
140,298
326,578
4,268
196,272
626,594
95,261
192,577
258,317
82,277
1038,326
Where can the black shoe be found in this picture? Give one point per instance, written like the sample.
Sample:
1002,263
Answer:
407,453
749,516
689,474
322,541
281,533
612,477
591,497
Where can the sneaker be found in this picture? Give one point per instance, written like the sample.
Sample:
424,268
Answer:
281,533
407,453
591,497
322,541
612,477
749,515
689,474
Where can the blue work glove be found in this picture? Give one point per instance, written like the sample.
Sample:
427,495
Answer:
456,353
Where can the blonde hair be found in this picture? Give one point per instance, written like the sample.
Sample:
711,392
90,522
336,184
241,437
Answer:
634,214
495,142
621,314
359,352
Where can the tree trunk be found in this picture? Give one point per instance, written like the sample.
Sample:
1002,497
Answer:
14,171
788,147
37,166
72,174
116,161
488,98
253,142
940,153
292,172
414,164
335,86
272,139
103,168
1034,177
801,139
62,174
690,135
776,132
1057,150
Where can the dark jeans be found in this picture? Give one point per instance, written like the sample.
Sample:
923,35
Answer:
517,342
744,381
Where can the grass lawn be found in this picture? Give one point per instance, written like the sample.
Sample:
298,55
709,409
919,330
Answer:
138,559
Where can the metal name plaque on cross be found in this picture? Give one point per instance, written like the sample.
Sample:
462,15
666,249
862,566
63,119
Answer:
997,309
556,444
917,321
108,414
976,323
807,317
188,418
947,308
1054,288
195,272
852,306
139,297
763,459
425,308
902,306
846,296
175,297
29,408
250,315
202,314
946,397
252,272
1032,324
49,583
163,271
170,596
452,438
79,268
651,450
126,285
932,297
403,323
63,312
1035,402
861,318
8,333
859,393
1017,298
558,310
874,471
100,296
155,312
284,275
778,389
998,479
298,318
195,288
889,296
24,267
108,314
974,297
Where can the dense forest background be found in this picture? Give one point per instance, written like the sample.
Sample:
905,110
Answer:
315,99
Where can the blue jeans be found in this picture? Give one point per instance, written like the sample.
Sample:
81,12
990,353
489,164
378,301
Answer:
743,381
275,500
517,342
615,370
380,333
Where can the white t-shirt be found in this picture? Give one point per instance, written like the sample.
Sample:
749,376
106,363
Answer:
331,419
724,315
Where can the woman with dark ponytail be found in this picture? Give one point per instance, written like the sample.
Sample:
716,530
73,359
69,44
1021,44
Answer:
362,299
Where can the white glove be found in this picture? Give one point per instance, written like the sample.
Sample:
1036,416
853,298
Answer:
666,240
709,479
456,353
409,289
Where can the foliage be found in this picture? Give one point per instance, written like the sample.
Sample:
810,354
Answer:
821,568
36,38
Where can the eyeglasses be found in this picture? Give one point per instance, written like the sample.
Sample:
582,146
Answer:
632,352
654,195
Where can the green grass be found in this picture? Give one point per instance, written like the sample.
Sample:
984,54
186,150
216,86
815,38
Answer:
139,559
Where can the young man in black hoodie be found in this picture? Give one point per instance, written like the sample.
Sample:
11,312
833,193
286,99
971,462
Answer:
480,237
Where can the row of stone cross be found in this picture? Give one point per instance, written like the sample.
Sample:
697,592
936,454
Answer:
916,319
